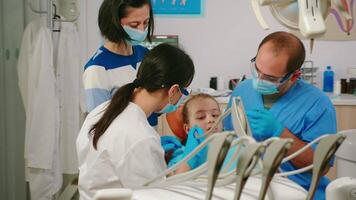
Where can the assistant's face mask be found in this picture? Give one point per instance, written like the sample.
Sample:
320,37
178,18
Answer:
137,36
170,107
173,107
264,87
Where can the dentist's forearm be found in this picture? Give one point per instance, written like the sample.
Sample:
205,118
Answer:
306,157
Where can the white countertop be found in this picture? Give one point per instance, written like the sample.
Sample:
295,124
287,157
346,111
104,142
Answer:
341,100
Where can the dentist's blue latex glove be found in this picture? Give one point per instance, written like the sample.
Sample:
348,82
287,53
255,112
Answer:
191,144
263,124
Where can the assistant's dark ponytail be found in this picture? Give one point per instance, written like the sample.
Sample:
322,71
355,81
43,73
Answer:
162,67
118,104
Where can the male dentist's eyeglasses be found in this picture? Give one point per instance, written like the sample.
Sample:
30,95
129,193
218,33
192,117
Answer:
256,73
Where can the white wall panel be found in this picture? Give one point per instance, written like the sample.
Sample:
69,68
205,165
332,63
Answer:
226,37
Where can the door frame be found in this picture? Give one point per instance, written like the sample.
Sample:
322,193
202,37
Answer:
3,158
12,133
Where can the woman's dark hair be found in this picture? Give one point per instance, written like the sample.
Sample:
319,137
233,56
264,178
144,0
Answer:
162,67
110,14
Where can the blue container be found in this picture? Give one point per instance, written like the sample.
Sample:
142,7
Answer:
328,83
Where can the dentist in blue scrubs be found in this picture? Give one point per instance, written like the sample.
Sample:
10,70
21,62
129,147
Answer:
279,104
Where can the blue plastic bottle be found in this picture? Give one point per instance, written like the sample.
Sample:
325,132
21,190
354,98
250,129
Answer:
328,83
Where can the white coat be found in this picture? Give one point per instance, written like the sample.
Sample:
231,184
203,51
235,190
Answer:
50,94
37,86
128,154
68,75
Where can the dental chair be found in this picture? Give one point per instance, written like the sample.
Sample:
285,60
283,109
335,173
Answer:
327,146
254,176
193,186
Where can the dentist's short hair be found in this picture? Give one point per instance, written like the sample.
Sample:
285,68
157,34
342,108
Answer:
284,41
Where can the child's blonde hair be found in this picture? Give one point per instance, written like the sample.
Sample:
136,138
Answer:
192,98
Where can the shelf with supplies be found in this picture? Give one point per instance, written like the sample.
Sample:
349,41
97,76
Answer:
308,71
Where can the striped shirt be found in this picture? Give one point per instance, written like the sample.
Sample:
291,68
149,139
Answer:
106,71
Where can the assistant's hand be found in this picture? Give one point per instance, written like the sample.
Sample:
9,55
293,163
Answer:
263,124
172,147
177,156
192,143
170,143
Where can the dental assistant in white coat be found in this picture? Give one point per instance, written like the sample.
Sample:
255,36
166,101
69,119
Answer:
117,147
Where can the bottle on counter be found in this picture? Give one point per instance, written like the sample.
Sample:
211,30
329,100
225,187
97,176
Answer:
352,86
337,88
343,85
328,83
233,83
213,82
221,84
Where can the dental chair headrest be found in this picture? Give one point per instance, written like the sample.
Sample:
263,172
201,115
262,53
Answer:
175,123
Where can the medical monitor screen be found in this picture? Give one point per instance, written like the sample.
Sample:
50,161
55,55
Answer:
158,39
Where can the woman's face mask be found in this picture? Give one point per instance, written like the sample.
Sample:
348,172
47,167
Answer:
170,107
173,107
137,36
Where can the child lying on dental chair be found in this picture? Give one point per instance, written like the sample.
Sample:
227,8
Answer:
198,114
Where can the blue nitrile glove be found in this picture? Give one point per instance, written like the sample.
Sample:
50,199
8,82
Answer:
191,144
170,142
263,124
176,157
172,147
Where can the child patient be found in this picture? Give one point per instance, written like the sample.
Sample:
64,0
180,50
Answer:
201,110
199,114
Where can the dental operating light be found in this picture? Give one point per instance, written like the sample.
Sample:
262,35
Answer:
306,16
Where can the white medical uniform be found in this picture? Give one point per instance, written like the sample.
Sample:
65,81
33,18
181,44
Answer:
128,154
68,85
50,91
37,84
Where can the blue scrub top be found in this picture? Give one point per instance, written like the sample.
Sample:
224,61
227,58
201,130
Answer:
304,110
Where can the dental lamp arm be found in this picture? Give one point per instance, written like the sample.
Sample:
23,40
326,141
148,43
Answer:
303,159
256,9
260,19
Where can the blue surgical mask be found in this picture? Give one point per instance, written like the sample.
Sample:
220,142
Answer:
171,108
137,36
264,87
